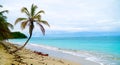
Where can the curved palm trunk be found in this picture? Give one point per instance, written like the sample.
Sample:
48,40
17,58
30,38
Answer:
30,31
23,45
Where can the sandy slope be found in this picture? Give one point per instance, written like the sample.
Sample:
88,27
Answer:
28,57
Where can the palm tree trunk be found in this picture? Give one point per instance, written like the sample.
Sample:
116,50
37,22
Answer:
23,45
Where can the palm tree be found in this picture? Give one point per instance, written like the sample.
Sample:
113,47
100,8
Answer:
32,17
4,26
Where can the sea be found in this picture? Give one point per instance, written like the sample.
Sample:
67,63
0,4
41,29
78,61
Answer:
102,49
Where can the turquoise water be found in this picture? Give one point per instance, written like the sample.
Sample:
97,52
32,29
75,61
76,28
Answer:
108,47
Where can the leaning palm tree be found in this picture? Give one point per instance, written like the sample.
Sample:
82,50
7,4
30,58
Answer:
32,18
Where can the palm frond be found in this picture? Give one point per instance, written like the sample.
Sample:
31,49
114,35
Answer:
42,28
41,11
25,10
5,11
10,25
33,8
37,17
20,19
4,17
44,22
23,24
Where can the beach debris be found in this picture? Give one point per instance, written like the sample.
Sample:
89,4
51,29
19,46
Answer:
40,53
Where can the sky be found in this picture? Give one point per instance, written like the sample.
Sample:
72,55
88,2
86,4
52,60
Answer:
69,16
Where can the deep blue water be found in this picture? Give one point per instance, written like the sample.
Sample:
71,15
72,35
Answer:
103,44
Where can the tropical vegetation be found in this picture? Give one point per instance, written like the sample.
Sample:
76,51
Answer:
4,25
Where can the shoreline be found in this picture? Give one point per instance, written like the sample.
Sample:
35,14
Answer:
97,55
62,54
93,58
85,57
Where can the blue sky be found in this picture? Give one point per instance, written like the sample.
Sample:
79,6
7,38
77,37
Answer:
70,16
